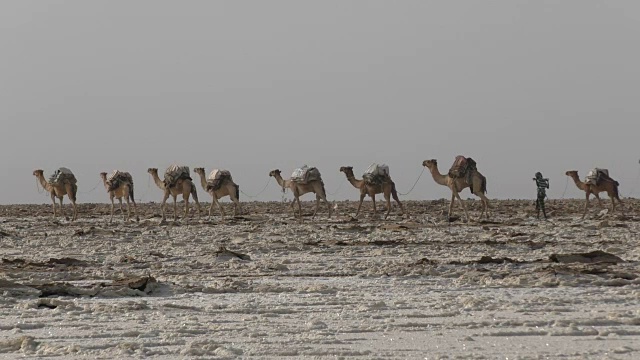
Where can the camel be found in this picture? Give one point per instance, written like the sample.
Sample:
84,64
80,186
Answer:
478,187
388,188
298,189
121,189
226,187
606,184
184,187
59,191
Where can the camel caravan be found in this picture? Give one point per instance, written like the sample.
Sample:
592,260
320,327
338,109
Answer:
376,179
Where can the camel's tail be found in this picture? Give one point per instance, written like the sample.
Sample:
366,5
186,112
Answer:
394,192
238,192
615,190
194,193
131,192
74,191
324,192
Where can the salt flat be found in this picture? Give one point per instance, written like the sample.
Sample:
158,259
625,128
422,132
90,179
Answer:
263,285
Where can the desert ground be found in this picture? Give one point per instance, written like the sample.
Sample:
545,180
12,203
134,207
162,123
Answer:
263,285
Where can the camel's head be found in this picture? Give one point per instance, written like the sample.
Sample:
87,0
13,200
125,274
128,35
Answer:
430,163
571,173
38,172
346,169
152,171
199,170
103,175
274,173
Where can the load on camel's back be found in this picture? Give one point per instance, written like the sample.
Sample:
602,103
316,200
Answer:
61,176
305,174
216,177
174,173
117,178
376,174
597,175
463,167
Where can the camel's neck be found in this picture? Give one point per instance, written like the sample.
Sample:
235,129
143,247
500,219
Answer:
203,181
282,182
437,177
355,182
44,183
157,180
104,182
578,182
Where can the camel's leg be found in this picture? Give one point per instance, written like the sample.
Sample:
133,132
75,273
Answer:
599,200
317,206
397,200
328,206
360,205
220,207
211,205
163,206
373,200
135,209
453,199
464,205
586,205
236,207
126,199
61,206
485,204
112,208
53,200
175,208
293,209
387,197
299,207
195,199
122,210
186,206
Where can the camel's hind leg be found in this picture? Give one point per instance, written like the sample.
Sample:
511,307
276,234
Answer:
60,198
485,205
215,199
317,206
387,197
124,217
394,193
324,198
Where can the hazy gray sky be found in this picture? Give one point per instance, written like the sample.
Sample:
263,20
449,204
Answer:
520,86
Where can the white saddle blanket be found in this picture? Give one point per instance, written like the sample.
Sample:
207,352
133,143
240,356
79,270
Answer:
305,174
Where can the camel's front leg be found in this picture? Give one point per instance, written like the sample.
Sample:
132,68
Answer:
220,207
464,206
62,207
360,204
299,208
163,206
112,208
453,199
175,208
373,200
586,205
53,200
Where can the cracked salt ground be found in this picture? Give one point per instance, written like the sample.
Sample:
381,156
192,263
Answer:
265,286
